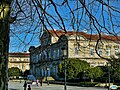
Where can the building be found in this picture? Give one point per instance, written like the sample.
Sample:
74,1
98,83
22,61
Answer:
20,60
44,59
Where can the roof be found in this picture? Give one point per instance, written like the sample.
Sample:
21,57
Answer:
88,36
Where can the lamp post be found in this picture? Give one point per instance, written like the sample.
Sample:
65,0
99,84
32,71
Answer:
47,69
63,57
84,76
47,75
108,76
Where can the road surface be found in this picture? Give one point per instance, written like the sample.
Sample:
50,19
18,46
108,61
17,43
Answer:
19,86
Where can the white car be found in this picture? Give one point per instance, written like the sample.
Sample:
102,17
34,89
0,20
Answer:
113,87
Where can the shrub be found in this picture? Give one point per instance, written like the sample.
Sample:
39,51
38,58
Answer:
88,84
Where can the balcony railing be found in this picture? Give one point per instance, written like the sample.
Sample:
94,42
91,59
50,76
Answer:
19,61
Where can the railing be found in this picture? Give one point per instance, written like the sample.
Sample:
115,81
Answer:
19,61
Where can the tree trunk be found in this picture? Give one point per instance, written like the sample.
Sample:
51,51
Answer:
4,43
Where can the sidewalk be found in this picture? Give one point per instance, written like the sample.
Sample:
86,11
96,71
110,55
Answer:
12,85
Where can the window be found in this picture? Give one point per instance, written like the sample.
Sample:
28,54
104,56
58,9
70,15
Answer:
12,65
54,54
22,66
77,47
49,54
18,66
33,57
27,66
91,51
58,53
36,56
92,64
116,51
40,56
45,54
108,52
101,63
27,59
100,52
76,50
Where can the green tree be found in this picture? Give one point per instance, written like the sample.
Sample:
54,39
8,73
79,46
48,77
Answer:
73,68
51,14
115,67
94,73
104,77
14,71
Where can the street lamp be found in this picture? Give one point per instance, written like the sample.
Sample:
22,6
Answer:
47,69
108,64
84,76
64,53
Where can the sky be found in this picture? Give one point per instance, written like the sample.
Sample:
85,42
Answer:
25,32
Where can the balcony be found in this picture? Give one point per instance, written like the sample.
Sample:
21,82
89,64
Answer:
13,61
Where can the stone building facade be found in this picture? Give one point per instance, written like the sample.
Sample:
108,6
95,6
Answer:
44,59
20,60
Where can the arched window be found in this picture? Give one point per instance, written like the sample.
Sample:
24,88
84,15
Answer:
100,51
91,51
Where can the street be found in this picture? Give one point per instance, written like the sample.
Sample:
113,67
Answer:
19,86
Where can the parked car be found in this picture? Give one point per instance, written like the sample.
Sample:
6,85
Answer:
113,87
